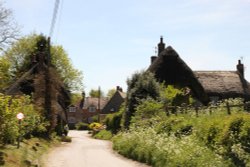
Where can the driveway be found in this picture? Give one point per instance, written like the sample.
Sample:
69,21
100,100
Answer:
84,151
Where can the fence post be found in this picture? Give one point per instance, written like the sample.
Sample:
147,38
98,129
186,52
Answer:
228,108
210,110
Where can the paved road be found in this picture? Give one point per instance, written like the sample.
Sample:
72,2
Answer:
84,151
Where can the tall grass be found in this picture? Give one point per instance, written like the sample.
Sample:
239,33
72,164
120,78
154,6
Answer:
184,140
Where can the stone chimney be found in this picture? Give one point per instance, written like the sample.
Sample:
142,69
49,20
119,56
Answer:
240,68
153,58
161,46
118,88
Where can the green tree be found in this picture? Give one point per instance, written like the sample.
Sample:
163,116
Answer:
96,93
147,109
175,97
141,86
4,73
76,98
18,57
111,92
71,76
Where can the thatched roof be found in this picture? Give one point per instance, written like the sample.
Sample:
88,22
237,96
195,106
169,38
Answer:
42,82
223,83
16,87
169,68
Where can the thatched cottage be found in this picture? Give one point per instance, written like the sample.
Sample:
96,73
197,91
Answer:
169,68
42,83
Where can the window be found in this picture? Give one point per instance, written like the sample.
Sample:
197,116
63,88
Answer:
72,109
92,109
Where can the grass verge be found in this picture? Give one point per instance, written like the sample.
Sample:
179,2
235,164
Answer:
208,140
29,153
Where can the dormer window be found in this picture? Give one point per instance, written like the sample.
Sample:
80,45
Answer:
92,109
72,109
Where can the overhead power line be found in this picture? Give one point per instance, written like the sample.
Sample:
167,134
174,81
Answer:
53,22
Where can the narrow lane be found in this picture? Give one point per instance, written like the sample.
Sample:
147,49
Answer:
84,151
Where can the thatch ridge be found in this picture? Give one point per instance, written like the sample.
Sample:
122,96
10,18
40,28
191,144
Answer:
172,70
223,84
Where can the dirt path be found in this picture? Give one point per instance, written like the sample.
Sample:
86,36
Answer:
84,151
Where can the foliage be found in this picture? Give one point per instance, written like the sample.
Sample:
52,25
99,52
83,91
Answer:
95,118
18,59
9,30
71,76
110,93
96,93
5,74
113,121
187,140
75,98
145,145
66,139
82,126
32,124
95,126
175,97
142,85
103,134
147,109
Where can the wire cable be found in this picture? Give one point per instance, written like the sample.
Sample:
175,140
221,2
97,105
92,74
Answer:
57,2
58,23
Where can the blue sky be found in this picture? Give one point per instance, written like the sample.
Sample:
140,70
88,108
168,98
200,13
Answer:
110,40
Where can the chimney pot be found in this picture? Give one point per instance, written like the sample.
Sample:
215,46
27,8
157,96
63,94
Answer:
161,46
240,68
153,58
118,88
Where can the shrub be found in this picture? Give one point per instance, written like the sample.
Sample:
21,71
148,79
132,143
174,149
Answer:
66,139
32,124
141,86
147,109
216,139
95,118
95,126
146,145
103,134
82,126
113,121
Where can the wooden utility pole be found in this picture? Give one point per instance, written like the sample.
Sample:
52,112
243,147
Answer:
48,85
99,102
